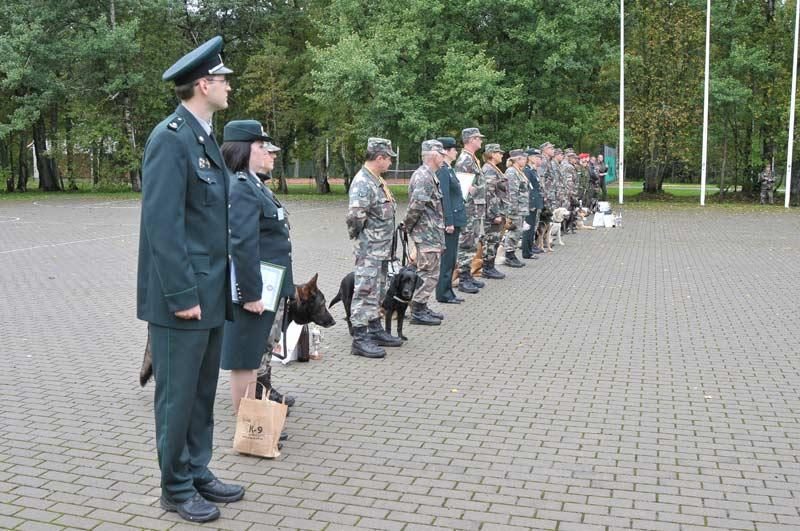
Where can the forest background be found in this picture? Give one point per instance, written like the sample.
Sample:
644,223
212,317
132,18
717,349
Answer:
80,82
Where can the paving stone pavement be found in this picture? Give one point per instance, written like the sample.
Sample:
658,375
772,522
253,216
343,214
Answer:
643,377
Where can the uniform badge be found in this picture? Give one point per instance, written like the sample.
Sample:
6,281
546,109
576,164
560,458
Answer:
201,139
203,163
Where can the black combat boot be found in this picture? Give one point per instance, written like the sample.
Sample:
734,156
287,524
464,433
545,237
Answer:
512,260
380,336
477,283
490,272
265,379
435,315
364,346
421,317
465,284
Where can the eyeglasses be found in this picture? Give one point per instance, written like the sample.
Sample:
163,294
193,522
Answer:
223,80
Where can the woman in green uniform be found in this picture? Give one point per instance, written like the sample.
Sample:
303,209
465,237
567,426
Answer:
259,233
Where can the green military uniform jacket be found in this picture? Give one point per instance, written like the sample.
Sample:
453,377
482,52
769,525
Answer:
184,240
452,198
259,233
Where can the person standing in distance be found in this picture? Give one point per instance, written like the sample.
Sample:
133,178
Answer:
370,224
467,164
183,284
425,224
535,204
454,219
259,233
496,209
518,187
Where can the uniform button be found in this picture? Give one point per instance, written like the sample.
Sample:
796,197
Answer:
229,257
229,205
229,231
288,239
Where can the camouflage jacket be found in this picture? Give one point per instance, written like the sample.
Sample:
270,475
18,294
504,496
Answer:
518,186
569,176
467,163
555,171
582,178
767,179
425,217
496,192
370,216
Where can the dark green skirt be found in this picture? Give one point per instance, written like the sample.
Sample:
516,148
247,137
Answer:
245,339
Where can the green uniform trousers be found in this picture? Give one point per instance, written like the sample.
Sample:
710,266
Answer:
186,368
444,289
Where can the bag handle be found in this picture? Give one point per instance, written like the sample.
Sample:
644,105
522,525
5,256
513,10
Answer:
265,396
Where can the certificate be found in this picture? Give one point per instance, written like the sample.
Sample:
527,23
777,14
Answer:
465,180
272,277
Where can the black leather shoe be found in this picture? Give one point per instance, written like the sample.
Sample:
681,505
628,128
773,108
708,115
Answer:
537,250
380,336
217,491
454,297
454,300
283,436
364,346
513,261
195,509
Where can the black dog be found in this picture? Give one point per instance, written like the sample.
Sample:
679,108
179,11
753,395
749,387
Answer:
398,296
307,306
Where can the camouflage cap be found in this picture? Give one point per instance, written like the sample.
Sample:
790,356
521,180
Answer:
432,146
533,152
448,142
569,151
493,148
558,151
545,146
517,154
470,132
380,146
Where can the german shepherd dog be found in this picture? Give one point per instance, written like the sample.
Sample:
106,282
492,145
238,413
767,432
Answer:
402,286
308,306
543,240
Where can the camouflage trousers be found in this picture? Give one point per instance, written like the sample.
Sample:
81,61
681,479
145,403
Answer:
491,241
468,243
767,195
428,265
514,236
369,289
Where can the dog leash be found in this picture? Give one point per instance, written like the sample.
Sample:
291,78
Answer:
284,326
402,235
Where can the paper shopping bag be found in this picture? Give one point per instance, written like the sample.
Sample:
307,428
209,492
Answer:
259,423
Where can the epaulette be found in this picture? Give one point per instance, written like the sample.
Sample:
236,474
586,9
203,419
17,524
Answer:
176,123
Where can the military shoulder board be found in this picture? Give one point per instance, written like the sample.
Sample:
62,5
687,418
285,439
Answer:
176,123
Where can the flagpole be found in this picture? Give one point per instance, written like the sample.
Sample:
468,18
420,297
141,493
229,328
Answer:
621,153
790,146
704,163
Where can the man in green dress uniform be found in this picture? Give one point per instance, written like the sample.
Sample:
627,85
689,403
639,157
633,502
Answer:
183,287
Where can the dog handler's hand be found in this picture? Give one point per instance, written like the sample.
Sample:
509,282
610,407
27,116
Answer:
449,229
192,314
497,220
254,307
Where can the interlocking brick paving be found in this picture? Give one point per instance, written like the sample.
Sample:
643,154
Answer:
643,377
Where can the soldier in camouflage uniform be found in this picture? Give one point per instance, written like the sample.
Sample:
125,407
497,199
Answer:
370,223
565,176
518,187
545,172
767,181
496,209
559,188
571,178
467,164
425,224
